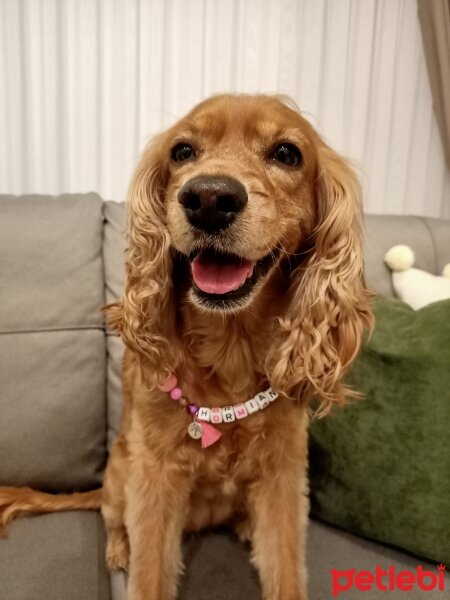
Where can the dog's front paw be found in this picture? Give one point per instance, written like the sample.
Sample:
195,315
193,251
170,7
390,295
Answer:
243,530
117,552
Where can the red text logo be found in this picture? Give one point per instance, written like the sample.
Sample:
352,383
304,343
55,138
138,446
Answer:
387,580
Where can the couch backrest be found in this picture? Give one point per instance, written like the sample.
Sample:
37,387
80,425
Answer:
52,342
113,256
60,260
429,238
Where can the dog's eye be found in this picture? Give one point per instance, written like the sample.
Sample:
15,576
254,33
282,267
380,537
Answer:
182,152
287,154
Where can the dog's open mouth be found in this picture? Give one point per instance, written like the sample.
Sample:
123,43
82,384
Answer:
221,279
220,274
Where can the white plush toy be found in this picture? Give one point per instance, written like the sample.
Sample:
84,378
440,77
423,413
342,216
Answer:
415,287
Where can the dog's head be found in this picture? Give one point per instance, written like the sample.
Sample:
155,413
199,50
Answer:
239,195
239,190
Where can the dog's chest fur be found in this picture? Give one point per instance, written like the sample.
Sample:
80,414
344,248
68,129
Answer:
221,475
222,367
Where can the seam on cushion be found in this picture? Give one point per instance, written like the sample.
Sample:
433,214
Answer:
433,243
53,329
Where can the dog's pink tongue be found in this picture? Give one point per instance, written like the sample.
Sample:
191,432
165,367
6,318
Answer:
222,276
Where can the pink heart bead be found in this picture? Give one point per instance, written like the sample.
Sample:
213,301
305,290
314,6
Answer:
176,393
169,384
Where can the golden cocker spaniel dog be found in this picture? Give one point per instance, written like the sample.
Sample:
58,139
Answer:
244,301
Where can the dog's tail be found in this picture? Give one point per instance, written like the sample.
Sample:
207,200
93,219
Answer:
17,502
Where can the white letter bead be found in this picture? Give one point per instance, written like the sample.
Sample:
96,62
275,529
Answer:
251,406
216,415
204,414
271,395
262,400
240,411
228,414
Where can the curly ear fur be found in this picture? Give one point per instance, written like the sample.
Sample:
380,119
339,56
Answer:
323,328
145,318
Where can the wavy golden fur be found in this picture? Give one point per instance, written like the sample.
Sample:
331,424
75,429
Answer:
297,329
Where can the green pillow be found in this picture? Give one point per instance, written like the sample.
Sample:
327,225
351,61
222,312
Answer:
380,467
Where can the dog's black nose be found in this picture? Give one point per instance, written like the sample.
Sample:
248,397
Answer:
211,203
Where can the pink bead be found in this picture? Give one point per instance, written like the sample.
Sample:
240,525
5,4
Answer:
169,384
176,393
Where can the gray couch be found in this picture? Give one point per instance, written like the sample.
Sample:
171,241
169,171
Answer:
60,259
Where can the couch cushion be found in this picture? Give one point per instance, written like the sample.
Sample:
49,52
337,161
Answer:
330,548
52,346
51,262
440,232
114,249
218,567
114,260
52,410
54,557
380,467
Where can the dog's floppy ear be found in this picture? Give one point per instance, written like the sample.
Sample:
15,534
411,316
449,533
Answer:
145,318
322,330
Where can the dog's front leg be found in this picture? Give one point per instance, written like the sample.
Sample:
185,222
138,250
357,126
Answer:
157,500
278,508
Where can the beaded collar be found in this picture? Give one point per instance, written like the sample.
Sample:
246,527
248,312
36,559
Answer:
203,416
